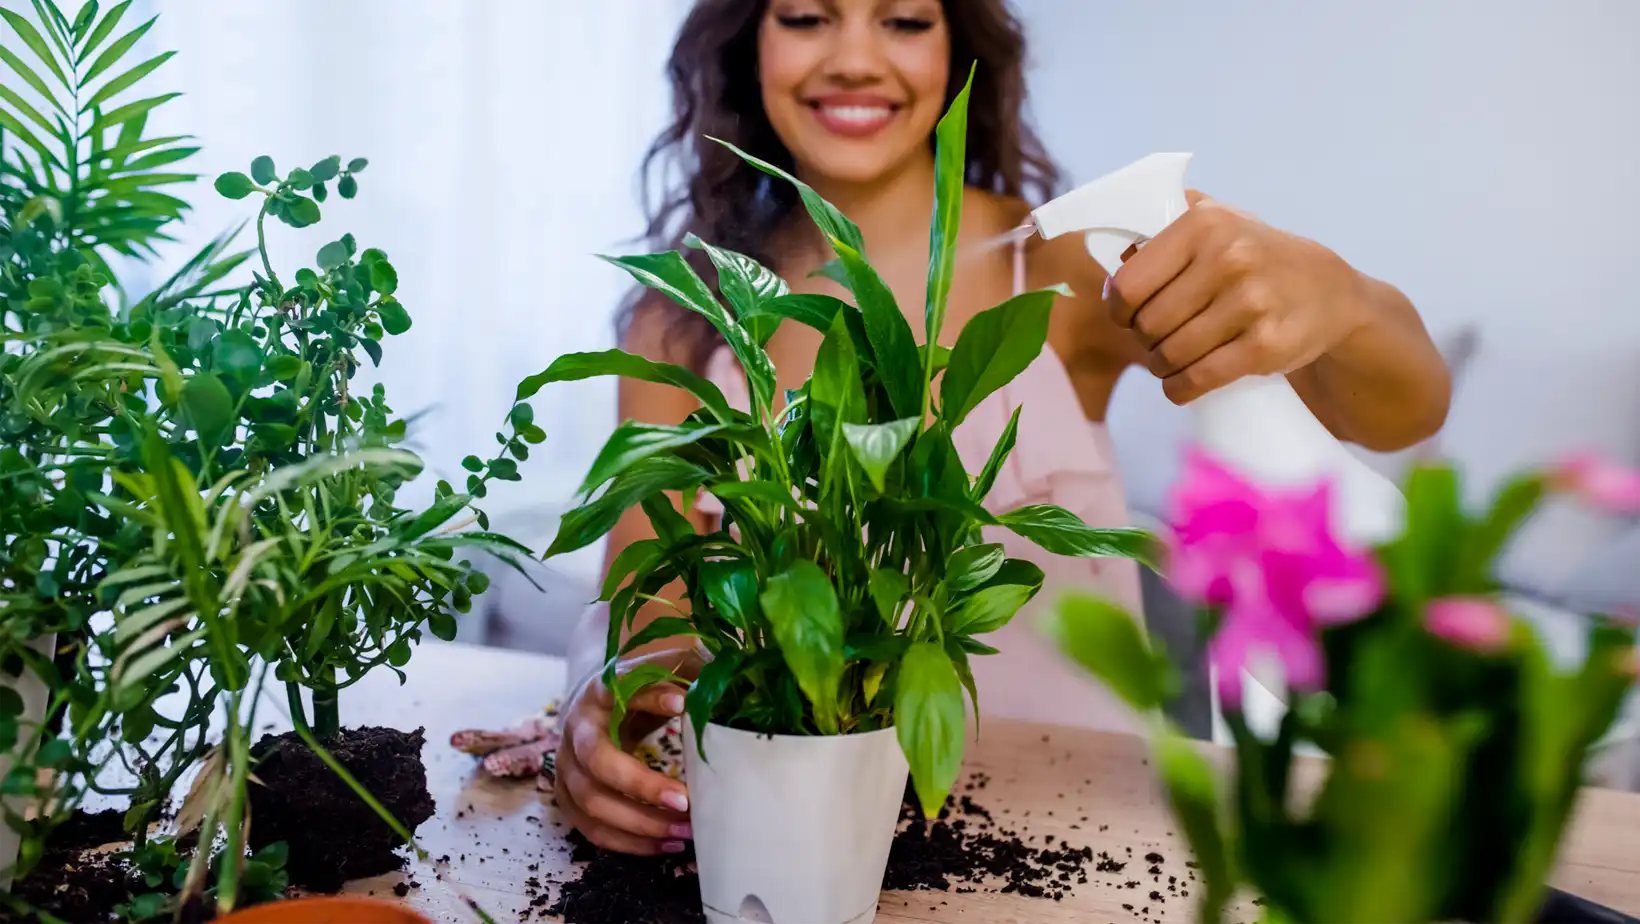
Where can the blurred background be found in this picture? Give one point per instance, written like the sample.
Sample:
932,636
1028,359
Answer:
1479,154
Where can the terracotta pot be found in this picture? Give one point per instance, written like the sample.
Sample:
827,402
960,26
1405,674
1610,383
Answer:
327,909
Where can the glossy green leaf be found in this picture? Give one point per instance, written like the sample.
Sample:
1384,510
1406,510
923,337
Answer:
836,397
357,165
22,105
237,355
893,345
130,111
331,255
950,184
383,278
746,285
104,28
994,347
887,589
634,441
395,320
209,407
303,212
929,721
1063,533
347,187
875,446
284,368
801,607
731,587
29,77
1104,639
715,678
999,455
670,275
234,185
990,608
326,170
973,566
573,367
589,522
659,628
832,223
807,308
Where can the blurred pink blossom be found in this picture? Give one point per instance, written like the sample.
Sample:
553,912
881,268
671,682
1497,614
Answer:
1270,561
1599,482
1476,623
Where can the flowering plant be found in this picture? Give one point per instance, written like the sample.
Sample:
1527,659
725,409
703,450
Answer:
1455,747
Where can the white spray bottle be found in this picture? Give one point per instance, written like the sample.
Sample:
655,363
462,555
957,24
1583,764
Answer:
1257,425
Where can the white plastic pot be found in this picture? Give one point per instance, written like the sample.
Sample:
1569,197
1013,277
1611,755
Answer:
793,829
35,697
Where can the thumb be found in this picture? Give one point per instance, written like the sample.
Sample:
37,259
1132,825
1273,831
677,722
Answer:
1193,197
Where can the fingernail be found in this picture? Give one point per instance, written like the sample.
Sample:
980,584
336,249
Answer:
672,847
1104,293
676,801
673,703
684,831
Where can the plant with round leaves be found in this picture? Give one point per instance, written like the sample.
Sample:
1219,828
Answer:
850,582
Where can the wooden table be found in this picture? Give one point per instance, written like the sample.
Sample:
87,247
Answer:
493,831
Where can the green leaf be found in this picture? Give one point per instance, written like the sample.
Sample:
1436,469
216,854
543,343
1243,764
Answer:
999,454
1104,639
894,347
383,278
22,105
589,522
731,587
659,628
435,516
670,275
332,255
209,407
37,44
116,51
237,356
887,589
1192,790
716,676
634,441
573,367
29,77
130,111
1063,533
473,464
832,223
836,396
747,285
234,185
876,445
347,187
928,718
395,320
11,704
103,29
285,368
320,192
126,80
973,566
816,311
303,212
801,607
990,608
950,178
357,165
628,685
10,123
326,170
766,491
994,347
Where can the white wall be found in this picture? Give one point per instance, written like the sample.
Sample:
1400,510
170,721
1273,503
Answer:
1480,154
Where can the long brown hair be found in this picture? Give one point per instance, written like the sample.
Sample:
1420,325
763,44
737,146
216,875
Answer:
721,199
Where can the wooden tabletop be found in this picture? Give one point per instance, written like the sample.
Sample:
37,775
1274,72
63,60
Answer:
1043,780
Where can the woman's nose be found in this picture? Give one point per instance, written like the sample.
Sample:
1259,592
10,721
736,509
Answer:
856,54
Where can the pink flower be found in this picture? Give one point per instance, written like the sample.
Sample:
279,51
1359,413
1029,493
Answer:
1599,482
1270,561
1476,623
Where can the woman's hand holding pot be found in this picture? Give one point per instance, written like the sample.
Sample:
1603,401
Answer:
609,795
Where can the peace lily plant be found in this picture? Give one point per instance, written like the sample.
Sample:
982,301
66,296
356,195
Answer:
1455,747
849,583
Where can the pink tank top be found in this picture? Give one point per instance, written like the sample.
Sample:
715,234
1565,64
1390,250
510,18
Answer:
1062,458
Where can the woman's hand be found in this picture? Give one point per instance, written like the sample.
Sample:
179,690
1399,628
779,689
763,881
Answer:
1219,295
606,793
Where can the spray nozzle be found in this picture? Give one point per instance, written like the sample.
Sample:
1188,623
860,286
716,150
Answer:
1121,209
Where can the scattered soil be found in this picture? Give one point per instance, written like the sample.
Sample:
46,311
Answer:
70,883
333,835
963,850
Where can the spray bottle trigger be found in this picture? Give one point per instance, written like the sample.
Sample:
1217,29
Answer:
1106,245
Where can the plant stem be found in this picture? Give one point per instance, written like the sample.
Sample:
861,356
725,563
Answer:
262,245
298,715
327,714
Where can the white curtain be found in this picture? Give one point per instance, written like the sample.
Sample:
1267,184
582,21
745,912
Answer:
504,138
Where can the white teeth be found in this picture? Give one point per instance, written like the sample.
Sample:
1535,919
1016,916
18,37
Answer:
859,115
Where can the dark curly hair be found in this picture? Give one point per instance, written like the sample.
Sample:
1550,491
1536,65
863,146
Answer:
721,199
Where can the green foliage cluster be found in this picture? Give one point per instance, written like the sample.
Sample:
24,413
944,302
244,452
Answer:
850,582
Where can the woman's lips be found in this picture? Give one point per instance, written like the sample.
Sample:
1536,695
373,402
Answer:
853,118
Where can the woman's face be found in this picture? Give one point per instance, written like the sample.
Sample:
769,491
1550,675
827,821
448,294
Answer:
853,87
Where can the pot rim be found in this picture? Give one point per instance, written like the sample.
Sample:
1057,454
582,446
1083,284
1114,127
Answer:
854,736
